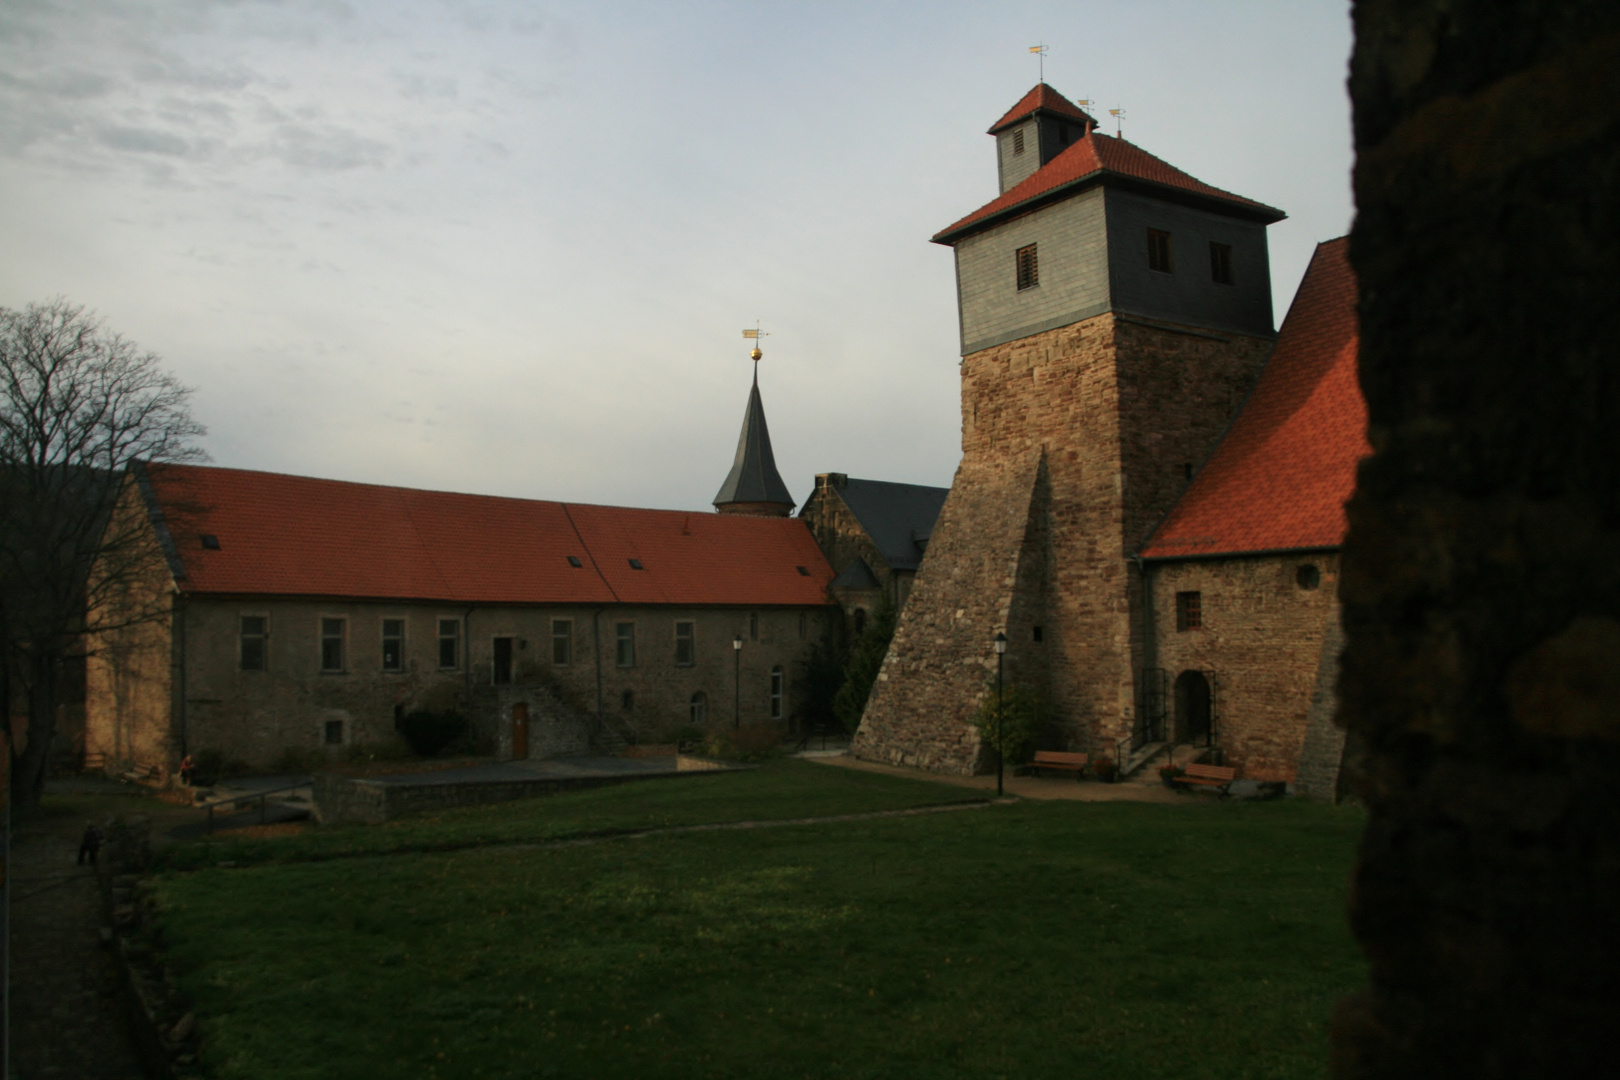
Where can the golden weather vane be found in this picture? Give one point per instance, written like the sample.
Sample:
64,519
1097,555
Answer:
1119,118
1041,51
754,335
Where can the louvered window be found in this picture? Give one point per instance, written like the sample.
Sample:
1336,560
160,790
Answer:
1029,268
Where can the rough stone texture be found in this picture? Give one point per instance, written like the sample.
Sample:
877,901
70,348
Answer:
842,539
1482,567
1074,442
1321,760
1263,638
136,707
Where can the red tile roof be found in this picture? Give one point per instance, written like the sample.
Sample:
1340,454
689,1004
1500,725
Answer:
1040,97
1280,477
1095,158
296,536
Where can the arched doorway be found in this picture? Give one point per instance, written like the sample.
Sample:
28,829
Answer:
1192,708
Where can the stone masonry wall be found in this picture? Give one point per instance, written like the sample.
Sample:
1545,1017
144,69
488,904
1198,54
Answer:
1263,637
942,656
1481,582
1069,439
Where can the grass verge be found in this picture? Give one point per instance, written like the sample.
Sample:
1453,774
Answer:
1042,939
779,789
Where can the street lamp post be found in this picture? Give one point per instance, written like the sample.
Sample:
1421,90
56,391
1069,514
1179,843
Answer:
736,683
1001,716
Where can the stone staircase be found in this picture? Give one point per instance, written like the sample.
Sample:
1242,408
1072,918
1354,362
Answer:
607,740
1143,766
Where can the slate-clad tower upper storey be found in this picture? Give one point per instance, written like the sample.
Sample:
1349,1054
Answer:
1087,223
1114,311
1034,131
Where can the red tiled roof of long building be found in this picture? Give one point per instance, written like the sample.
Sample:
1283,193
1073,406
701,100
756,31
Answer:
1040,96
284,535
1095,158
1279,479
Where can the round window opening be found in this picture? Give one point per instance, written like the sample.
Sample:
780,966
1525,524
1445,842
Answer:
1308,576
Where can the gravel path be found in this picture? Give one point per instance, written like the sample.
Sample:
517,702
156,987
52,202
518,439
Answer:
66,1015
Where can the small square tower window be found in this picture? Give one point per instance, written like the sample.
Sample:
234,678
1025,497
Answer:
1189,611
1029,267
1159,259
1220,263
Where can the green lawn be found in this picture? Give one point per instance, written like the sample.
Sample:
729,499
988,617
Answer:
1041,939
780,789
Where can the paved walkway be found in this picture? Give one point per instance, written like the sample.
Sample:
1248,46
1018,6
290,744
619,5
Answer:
66,1016
1025,787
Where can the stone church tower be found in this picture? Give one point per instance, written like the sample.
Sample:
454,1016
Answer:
1113,312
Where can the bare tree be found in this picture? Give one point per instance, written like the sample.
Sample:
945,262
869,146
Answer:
79,405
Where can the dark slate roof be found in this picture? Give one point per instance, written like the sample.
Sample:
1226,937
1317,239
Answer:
1279,479
898,517
753,477
857,575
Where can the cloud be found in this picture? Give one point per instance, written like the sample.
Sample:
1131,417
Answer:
327,148
144,141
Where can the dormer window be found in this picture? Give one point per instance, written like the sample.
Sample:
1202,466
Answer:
1018,141
210,541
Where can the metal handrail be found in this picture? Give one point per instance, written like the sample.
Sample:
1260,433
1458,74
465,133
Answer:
261,796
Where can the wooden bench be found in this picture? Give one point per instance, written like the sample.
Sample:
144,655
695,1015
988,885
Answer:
1219,777
1059,759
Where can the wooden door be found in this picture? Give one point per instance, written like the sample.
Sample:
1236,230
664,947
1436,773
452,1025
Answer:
520,731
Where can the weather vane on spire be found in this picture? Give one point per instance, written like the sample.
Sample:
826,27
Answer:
754,354
1119,125
1041,51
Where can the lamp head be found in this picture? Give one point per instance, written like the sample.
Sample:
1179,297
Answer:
736,643
1001,642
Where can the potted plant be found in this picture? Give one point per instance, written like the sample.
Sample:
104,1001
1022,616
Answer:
1169,774
1105,769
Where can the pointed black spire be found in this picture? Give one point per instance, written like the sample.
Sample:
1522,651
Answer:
754,486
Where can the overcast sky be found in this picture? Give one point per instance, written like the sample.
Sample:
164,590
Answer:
509,247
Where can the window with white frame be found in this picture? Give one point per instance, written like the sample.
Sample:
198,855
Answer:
778,691
624,639
685,644
562,642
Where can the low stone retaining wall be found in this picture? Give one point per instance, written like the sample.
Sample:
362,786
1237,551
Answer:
340,800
